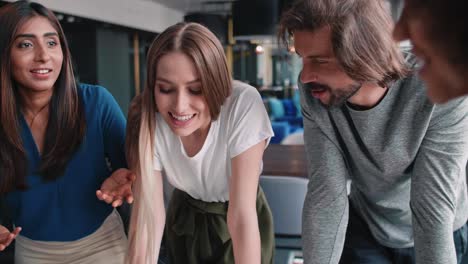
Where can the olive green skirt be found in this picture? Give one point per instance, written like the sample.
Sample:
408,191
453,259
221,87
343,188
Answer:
197,232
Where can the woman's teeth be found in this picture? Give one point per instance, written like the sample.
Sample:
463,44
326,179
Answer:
182,118
41,71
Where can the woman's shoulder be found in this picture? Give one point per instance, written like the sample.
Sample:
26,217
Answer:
242,94
94,93
244,100
243,89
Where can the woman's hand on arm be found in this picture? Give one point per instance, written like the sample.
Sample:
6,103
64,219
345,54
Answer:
242,212
6,237
117,188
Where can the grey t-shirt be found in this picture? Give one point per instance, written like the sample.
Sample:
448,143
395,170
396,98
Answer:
407,160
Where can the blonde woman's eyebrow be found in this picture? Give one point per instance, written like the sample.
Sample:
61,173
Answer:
161,79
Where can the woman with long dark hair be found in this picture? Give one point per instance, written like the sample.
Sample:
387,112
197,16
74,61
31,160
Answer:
59,143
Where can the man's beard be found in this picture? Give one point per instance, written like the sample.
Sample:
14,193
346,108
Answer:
338,96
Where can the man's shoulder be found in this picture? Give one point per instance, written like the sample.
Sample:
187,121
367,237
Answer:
411,84
409,96
452,113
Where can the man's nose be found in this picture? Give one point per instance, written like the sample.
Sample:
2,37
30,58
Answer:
308,75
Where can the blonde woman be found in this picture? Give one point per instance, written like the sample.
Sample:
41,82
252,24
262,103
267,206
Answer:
206,134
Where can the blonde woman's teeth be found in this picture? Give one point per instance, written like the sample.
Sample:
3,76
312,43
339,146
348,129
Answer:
182,118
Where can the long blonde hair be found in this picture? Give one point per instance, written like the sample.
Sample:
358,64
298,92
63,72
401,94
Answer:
207,54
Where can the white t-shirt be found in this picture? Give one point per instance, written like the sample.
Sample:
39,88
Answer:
242,123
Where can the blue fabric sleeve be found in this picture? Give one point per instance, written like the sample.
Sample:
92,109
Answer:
113,129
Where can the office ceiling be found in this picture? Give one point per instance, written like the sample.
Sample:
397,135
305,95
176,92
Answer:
183,5
206,6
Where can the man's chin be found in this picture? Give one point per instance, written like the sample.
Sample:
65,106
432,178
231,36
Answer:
333,103
327,104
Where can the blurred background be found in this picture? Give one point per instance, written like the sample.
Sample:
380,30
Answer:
109,40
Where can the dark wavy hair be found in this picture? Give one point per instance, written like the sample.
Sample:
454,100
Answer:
66,126
447,22
361,36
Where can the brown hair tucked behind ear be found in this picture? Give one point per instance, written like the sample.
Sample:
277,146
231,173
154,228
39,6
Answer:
361,36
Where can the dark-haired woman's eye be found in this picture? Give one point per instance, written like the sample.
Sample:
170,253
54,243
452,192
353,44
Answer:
52,43
24,44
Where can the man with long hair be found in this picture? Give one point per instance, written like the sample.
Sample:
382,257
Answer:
367,118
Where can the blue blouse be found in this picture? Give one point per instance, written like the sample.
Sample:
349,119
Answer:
67,208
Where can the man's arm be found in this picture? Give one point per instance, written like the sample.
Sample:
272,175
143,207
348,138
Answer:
438,178
325,212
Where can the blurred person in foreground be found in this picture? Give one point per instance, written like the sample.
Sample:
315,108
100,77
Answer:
438,32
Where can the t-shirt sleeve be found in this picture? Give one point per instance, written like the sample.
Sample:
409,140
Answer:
249,122
157,165
157,149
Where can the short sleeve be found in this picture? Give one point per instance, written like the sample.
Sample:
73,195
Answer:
249,122
157,165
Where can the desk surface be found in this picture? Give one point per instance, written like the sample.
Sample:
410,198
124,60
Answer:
285,160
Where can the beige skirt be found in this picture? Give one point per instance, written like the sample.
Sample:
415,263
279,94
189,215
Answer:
107,245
